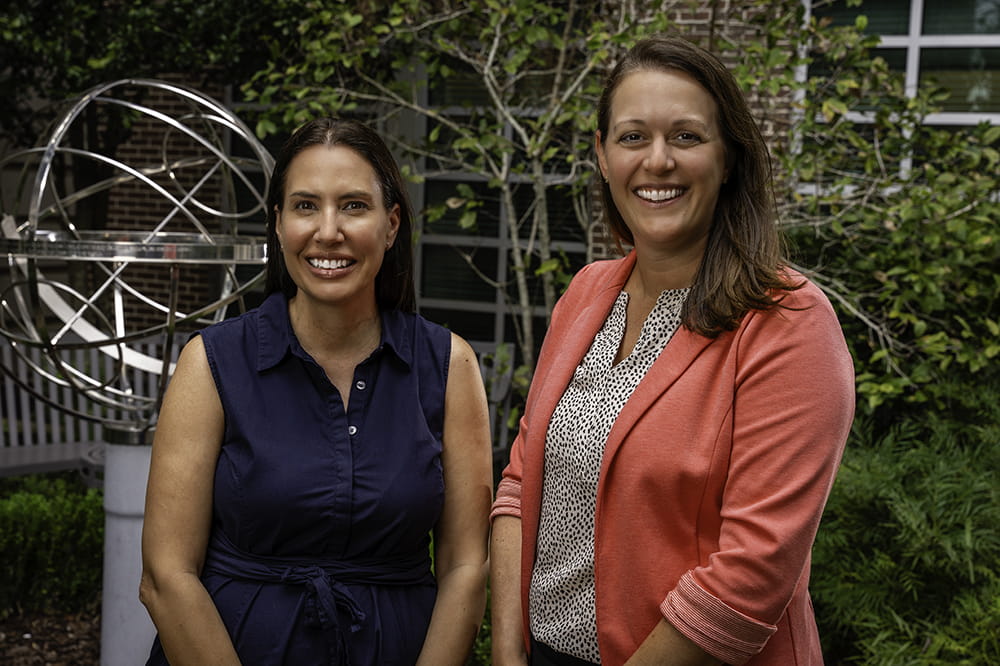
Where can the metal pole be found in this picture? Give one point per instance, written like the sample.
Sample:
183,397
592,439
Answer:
126,630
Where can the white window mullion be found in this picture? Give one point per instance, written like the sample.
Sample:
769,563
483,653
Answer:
912,70
913,48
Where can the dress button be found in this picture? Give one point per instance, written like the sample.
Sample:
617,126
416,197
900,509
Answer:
352,430
361,385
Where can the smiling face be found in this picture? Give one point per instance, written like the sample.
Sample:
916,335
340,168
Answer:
333,226
664,159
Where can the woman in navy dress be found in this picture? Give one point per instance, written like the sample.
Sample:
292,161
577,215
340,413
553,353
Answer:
307,450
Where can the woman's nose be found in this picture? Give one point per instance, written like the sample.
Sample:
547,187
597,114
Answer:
660,156
329,229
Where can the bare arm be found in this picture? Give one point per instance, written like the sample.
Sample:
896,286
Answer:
666,645
505,590
460,538
178,516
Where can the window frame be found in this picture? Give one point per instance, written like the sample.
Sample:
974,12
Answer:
914,43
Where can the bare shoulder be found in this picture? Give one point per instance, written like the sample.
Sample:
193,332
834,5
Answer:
466,393
462,353
193,358
191,400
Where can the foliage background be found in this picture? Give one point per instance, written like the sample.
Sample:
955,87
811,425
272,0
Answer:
51,544
895,220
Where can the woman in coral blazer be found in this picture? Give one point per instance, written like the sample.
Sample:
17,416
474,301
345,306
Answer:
688,411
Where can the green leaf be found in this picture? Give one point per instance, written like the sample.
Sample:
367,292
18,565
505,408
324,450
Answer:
100,63
265,127
548,266
992,135
468,219
350,20
832,108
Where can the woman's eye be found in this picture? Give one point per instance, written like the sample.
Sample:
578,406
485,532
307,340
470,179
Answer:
303,205
356,205
630,137
688,137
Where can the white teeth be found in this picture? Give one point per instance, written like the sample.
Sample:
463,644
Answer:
659,195
329,263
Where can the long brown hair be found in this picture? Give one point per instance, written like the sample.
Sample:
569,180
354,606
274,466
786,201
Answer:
394,288
741,268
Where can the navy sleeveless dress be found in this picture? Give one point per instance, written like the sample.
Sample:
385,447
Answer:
319,550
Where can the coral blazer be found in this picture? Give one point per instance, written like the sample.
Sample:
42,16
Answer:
714,476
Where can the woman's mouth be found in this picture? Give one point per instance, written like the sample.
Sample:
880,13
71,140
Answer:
329,264
657,195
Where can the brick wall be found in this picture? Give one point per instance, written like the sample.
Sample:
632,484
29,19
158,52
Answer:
173,161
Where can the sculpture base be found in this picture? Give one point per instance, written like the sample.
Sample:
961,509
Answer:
126,630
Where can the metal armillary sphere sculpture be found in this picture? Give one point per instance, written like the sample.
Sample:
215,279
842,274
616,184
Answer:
119,254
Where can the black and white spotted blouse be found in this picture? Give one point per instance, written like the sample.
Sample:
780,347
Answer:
561,600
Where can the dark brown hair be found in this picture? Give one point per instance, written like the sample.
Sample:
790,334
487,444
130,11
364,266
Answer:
741,268
394,282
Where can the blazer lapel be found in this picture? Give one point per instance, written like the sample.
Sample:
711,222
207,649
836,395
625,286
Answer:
574,341
683,348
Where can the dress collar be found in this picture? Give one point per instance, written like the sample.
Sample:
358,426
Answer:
276,339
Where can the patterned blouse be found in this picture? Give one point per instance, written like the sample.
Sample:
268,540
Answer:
561,600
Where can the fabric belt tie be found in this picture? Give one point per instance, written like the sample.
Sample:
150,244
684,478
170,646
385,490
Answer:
328,600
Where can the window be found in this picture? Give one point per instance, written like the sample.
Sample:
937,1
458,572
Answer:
465,279
953,44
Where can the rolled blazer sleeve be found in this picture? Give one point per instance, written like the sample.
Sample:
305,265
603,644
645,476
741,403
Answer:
792,409
508,496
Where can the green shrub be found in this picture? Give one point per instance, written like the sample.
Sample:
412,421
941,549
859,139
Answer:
51,544
906,568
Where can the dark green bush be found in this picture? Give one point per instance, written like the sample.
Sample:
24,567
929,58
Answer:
906,568
51,544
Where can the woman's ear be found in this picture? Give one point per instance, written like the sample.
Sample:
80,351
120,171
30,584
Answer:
390,236
602,161
277,226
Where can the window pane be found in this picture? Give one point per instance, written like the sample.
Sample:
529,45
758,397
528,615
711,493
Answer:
972,76
853,150
437,192
442,154
473,326
928,138
536,292
823,68
447,274
885,17
952,17
895,58
510,333
456,84
563,225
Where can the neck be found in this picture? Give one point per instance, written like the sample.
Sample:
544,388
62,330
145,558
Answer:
332,330
652,275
